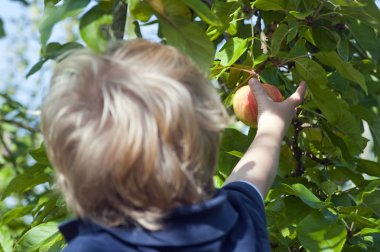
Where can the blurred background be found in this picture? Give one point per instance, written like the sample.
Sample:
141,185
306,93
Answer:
20,51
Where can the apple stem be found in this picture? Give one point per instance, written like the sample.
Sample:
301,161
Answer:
250,72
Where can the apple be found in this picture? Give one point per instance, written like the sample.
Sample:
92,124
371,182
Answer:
245,104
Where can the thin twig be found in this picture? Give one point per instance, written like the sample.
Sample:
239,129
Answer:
321,4
19,124
298,153
248,71
252,41
322,161
349,230
8,150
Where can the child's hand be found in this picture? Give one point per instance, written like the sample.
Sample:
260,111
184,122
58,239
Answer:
276,116
260,162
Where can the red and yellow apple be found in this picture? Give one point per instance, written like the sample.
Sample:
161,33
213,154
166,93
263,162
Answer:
245,104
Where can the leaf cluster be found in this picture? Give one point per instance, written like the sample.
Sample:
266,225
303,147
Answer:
326,194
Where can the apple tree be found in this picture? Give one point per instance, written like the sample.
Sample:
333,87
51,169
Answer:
326,195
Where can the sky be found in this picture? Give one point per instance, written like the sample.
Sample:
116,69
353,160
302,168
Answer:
20,50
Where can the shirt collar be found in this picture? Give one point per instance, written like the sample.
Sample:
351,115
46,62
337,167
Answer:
187,226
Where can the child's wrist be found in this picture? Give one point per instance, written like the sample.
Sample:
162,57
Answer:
275,127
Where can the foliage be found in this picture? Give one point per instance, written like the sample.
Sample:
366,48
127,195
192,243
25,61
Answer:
325,197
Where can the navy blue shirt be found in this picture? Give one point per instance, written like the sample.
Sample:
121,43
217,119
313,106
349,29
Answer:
234,220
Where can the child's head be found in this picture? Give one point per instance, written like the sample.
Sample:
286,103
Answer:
132,133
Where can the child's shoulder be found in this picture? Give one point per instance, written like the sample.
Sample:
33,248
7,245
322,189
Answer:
85,236
233,220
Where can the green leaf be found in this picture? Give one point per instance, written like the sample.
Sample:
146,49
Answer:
270,75
338,142
306,33
141,10
345,69
237,154
269,5
2,31
304,194
232,141
293,31
94,27
366,189
31,177
190,39
346,3
36,237
132,27
369,167
333,108
342,200
231,51
369,14
343,48
325,38
53,243
277,38
363,221
35,68
294,210
286,162
366,231
372,201
260,59
298,50
318,233
203,12
52,51
301,15
175,8
366,38
15,213
227,12
40,155
375,130
50,210
6,239
329,187
218,181
51,2
54,14
312,72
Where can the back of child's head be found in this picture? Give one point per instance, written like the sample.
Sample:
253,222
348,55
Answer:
132,133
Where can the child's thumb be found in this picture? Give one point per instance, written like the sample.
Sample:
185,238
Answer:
298,96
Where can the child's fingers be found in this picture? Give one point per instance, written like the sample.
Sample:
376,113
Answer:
297,97
258,91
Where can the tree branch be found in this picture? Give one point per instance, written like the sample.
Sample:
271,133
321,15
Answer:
8,150
297,151
322,161
257,27
321,4
19,124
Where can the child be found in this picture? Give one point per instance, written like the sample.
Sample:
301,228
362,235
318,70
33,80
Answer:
134,137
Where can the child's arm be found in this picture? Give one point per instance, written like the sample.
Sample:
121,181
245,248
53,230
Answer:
259,164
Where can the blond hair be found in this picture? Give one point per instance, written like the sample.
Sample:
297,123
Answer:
132,133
